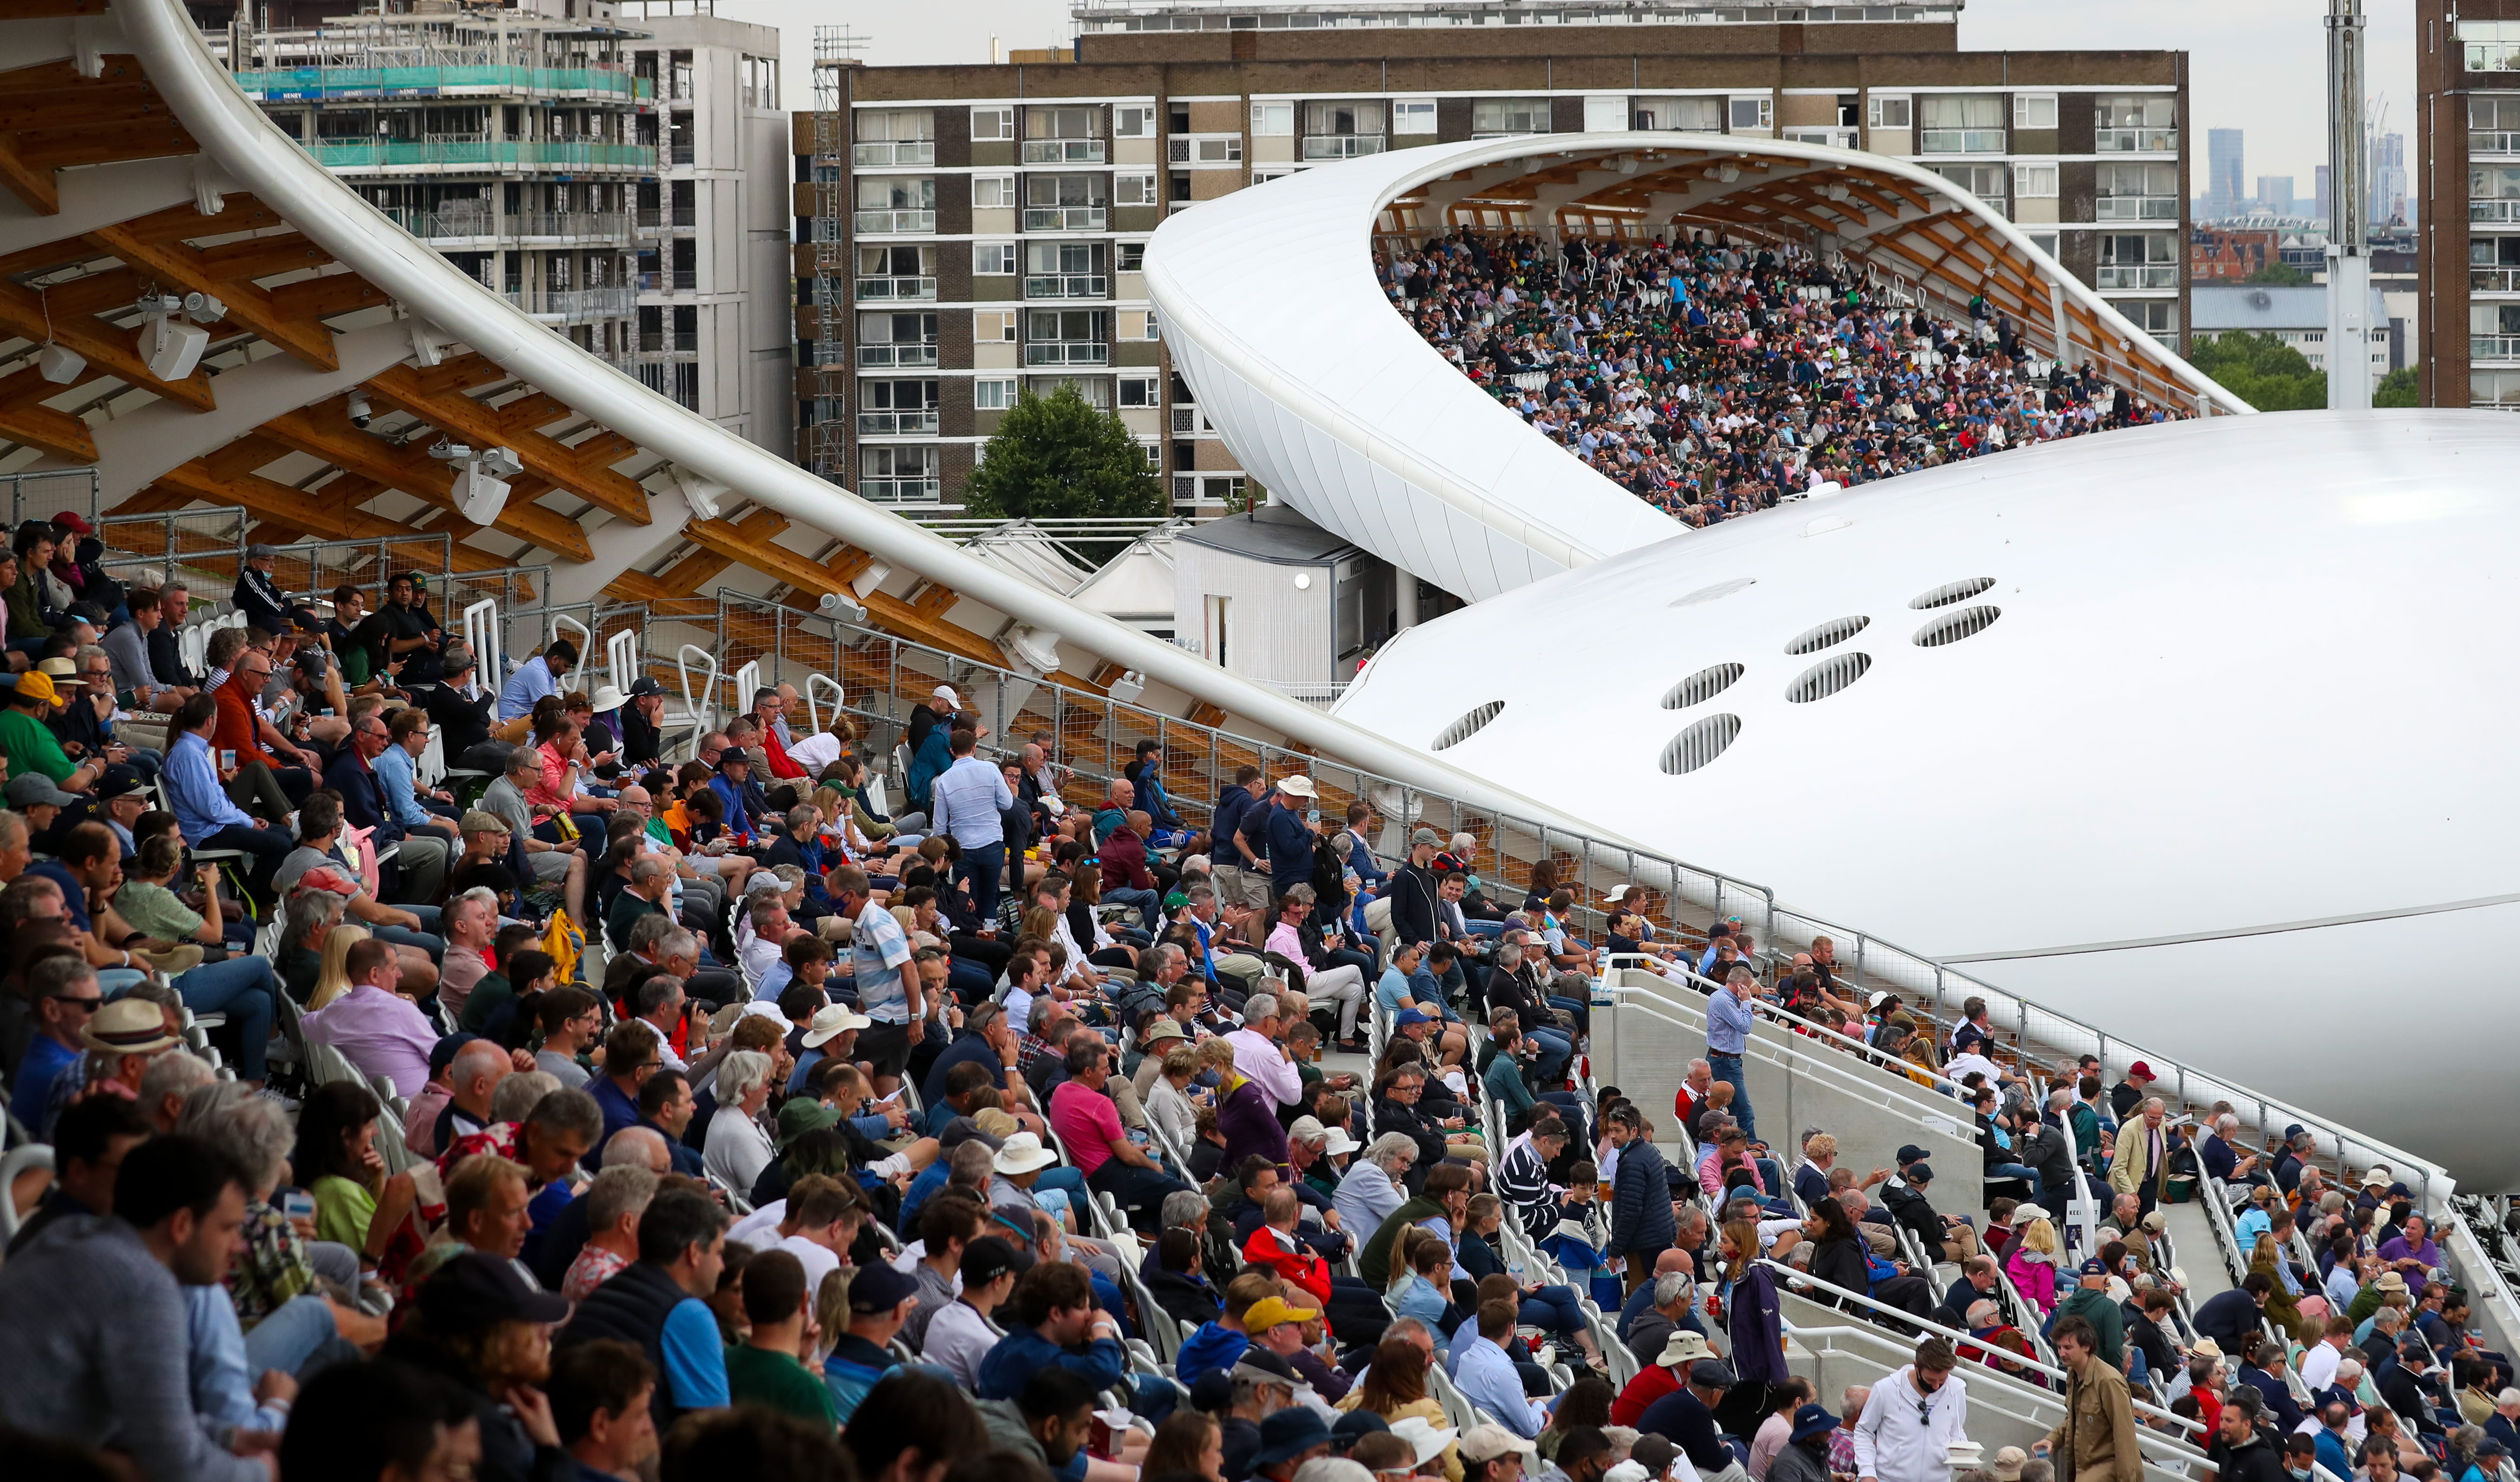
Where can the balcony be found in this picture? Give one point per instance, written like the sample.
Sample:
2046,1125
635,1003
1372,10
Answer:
896,424
1062,151
901,491
2493,347
2146,276
1068,285
894,223
1959,142
893,152
2137,208
896,289
1342,145
301,84
668,280
2493,56
1224,151
554,227
2491,142
1063,218
680,152
440,151
905,356
1834,138
577,305
2494,210
1065,352
2136,141
2493,279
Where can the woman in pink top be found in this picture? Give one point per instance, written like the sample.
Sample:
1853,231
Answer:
2032,1265
559,753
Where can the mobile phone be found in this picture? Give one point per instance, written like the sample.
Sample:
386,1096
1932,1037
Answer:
298,1204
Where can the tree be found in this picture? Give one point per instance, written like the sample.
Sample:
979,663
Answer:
2280,273
2261,371
1057,457
2396,390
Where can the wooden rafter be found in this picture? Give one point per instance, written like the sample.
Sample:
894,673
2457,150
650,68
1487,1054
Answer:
300,511
923,625
179,267
25,314
323,430
588,475
52,117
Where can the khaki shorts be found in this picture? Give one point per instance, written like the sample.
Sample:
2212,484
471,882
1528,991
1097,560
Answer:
1244,887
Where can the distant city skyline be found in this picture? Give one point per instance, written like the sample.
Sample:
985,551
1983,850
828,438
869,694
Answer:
2260,66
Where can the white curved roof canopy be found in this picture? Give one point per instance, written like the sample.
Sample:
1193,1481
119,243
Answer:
1331,399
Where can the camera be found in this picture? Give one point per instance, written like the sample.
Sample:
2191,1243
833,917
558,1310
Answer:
361,414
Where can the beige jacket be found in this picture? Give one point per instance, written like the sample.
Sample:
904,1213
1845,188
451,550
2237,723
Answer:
2096,1441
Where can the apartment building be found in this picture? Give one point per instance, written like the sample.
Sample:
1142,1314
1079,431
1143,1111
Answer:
965,231
563,157
2468,139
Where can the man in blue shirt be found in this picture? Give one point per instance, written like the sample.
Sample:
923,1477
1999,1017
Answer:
354,775
536,678
964,802
1057,1325
202,811
66,997
659,1303
1289,836
1227,859
1729,1017
1486,1376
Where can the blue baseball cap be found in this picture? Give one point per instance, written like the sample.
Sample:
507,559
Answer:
1409,1016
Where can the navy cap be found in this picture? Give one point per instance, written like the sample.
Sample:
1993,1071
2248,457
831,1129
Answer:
1911,1154
880,1288
473,1291
443,1054
645,686
1408,1016
2095,1267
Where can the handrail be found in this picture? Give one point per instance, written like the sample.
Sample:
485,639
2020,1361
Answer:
691,710
746,680
1812,1029
2454,1233
621,658
585,636
1962,1342
840,699
482,634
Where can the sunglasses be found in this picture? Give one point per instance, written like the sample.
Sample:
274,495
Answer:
85,1006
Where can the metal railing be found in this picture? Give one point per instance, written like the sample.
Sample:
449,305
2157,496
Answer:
2135,141
313,571
1343,146
884,223
884,154
895,289
2137,208
2493,279
896,424
43,495
577,305
668,280
921,353
202,547
1960,141
453,151
2146,276
901,491
1066,352
1062,151
2494,346
658,218
1068,285
1059,218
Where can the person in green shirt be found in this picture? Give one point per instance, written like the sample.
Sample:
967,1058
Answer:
148,903
763,1368
29,747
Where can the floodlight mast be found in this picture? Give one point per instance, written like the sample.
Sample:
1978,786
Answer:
2349,253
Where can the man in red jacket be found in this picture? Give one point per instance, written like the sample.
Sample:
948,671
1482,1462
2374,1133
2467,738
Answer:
767,706
1126,881
1276,1245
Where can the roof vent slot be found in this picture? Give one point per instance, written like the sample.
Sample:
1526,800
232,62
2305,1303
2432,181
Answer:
1828,634
1825,678
1951,591
1952,627
1700,743
1469,725
1700,687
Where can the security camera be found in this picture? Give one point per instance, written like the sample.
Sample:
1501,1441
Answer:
499,463
445,450
156,305
202,308
361,414
839,604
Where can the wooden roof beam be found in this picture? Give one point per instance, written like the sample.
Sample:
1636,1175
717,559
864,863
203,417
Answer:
178,266
482,425
323,430
110,350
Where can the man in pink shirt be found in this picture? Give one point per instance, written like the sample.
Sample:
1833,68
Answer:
1089,1126
471,922
379,1031
1259,1055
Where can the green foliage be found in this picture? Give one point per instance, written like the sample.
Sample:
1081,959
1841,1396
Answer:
2261,371
2280,273
2396,390
1057,457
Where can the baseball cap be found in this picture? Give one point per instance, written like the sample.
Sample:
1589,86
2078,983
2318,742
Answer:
258,551
1911,1154
473,1290
2140,1071
1290,1433
483,821
119,779
988,1258
801,1114
72,521
645,686
36,685
734,756
1920,1173
1486,1443
2095,1267
1408,1016
1714,1373
1424,836
879,1288
33,790
1265,1367
946,693
1269,1311
127,1026
442,1055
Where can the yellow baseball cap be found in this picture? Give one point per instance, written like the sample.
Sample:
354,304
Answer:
1269,1311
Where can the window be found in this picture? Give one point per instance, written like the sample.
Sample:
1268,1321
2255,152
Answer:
1359,121
1062,136
1605,114
1687,115
993,192
993,327
1509,115
992,259
993,393
1753,112
1064,270
898,136
1134,190
1962,123
2136,124
1984,181
1216,149
992,125
896,273
2154,316
1413,116
1067,337
2045,242
1136,120
896,408
2138,260
896,340
1095,389
2033,182
2137,192
1131,257
1063,203
760,83
896,204
2034,111
901,475
1263,175
1273,121
1140,391
1891,111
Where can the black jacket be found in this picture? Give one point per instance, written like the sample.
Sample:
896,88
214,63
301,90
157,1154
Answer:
461,724
1391,1117
1910,1210
631,1307
1412,904
1189,1298
1842,1263
508,1452
2410,1398
2255,1460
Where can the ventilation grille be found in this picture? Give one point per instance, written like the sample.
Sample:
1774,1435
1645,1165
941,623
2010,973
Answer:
1825,678
1720,588
1952,627
1701,687
1951,591
1469,725
1700,743
1827,633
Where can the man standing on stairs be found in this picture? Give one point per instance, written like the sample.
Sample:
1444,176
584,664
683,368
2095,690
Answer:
2095,1442
2141,1165
1729,1017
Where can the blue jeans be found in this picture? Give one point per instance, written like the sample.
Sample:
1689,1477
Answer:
1555,1310
2037,1184
982,868
1068,1178
1149,905
1727,1069
1555,1051
242,988
296,1334
1581,1011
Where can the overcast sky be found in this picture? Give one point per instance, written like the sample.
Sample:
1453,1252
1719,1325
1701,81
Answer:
2256,64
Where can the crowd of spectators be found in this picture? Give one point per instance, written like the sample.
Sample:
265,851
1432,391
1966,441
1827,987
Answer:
1713,379
899,1142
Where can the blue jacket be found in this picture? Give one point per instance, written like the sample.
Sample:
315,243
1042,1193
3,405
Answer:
1151,798
1230,805
853,1367
1101,1364
1213,1346
732,799
1641,1204
933,756
1290,849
